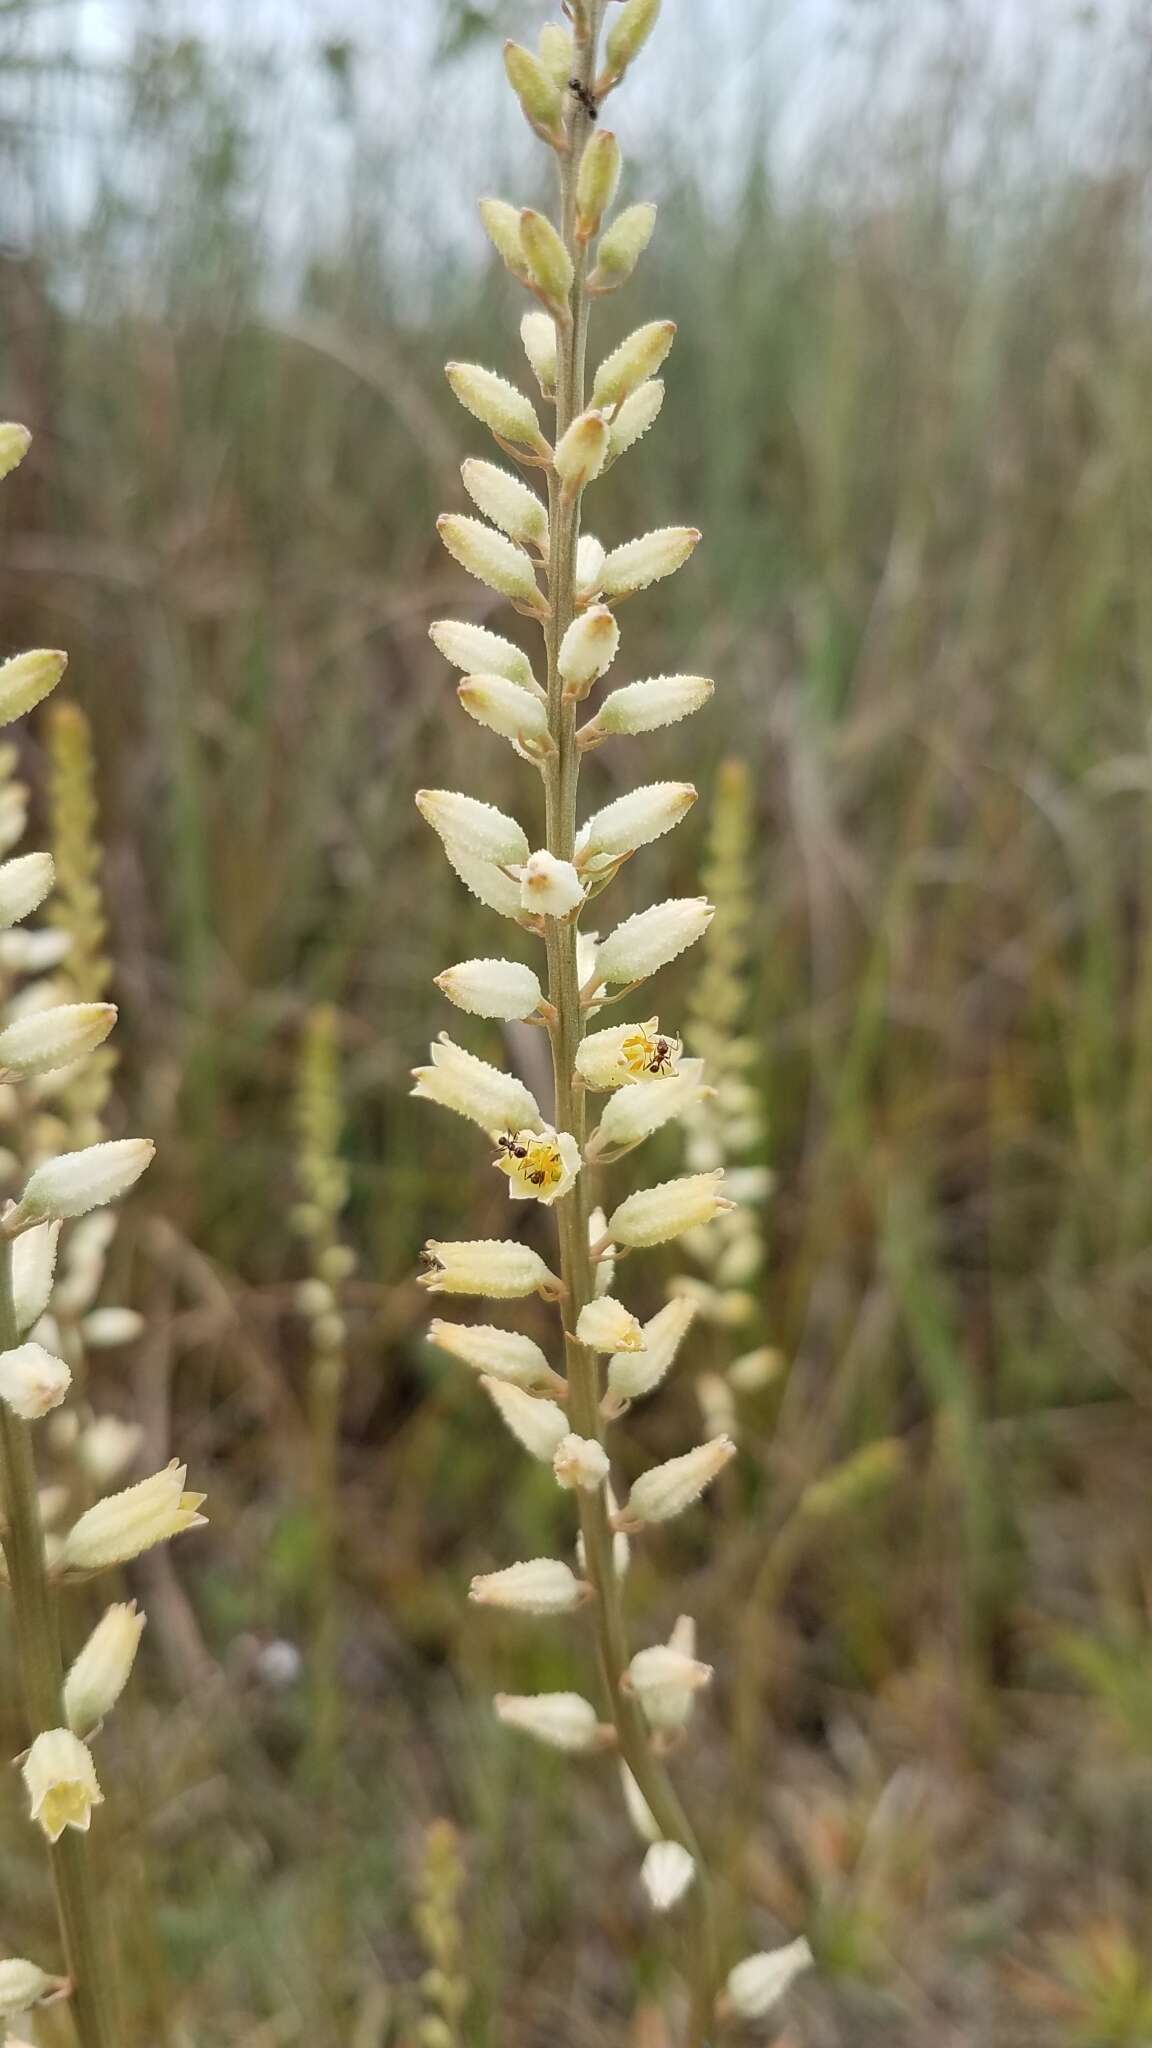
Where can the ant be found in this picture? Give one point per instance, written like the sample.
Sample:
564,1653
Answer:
430,1262
661,1059
509,1148
588,100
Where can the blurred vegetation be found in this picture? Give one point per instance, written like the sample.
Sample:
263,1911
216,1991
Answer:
911,407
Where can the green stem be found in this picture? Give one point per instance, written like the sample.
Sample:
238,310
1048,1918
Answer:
564,993
82,1922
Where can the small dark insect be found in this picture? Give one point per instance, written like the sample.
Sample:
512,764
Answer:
661,1057
430,1262
587,99
538,1178
507,1144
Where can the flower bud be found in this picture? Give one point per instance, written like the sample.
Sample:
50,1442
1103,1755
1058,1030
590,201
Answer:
502,226
588,649
108,1447
47,1039
580,1462
60,1778
27,679
643,707
541,99
487,882
485,1094
541,1585
538,334
472,827
548,260
653,1215
632,821
632,420
666,1873
500,1269
626,38
641,562
665,1680
15,442
491,988
632,1374
755,1370
628,1052
666,1490
590,560
126,1524
638,357
102,1669
497,405
515,714
507,501
24,883
556,51
562,1720
639,1812
23,1984
493,559
651,938
538,1425
581,452
79,1181
596,183
549,887
474,650
33,1267
32,1381
500,1354
760,1981
105,1328
621,246
606,1325
637,1111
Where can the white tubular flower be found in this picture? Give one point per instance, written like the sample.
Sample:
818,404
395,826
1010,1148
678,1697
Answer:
79,1181
541,1585
491,988
653,1215
632,420
590,558
538,334
561,1720
638,357
606,1325
638,1110
582,452
27,679
33,1269
588,648
668,1489
644,707
126,1524
15,442
647,560
107,1448
473,649
539,1426
580,1463
632,821
497,405
651,938
760,1981
549,887
621,246
507,502
490,885
666,1680
541,1166
485,1094
632,1374
666,1873
468,825
499,1269
102,1670
55,1038
500,1354
627,1052
492,558
24,883
23,1984
31,1381
60,1778
513,713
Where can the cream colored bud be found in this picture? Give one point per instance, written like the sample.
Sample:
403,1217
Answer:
590,560
606,1325
581,1464
108,1447
33,1268
755,1370
60,1778
549,887
637,1111
666,1490
666,1681
760,1981
632,420
48,1039
641,562
538,1425
548,260
556,51
632,821
666,1873
500,1354
504,708
79,1181
32,1381
491,988
582,452
588,648
597,181
27,679
472,827
499,1269
541,99
126,1524
102,1669
633,25
497,405
538,334
487,882
562,1720
651,938
654,1215
507,501
621,246
476,651
541,1585
23,1984
15,442
638,357
492,558
103,1329
502,226
644,707
485,1094
24,883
